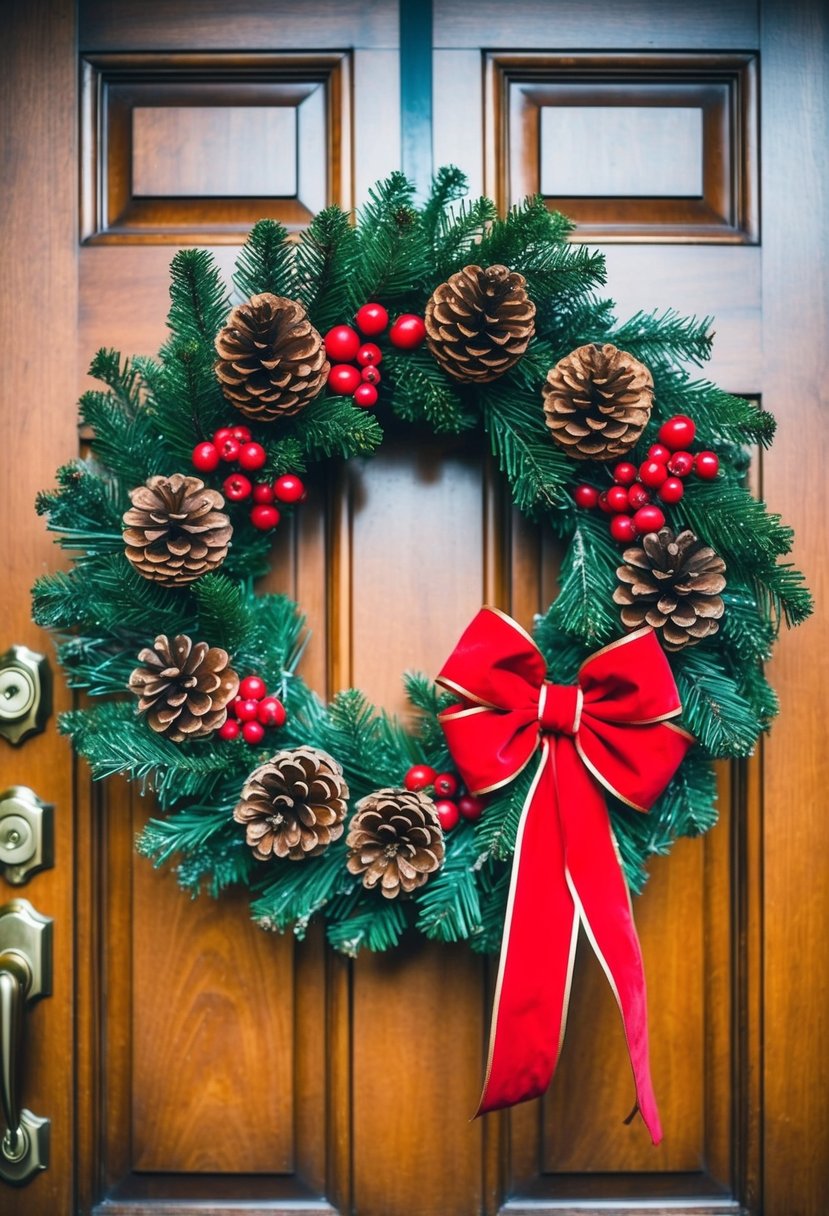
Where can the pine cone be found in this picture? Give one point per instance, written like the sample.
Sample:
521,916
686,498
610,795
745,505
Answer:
598,401
175,531
184,687
271,359
294,805
672,583
479,323
395,839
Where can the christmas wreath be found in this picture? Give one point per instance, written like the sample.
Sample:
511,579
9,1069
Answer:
451,317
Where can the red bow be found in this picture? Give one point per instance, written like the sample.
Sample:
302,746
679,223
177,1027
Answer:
611,730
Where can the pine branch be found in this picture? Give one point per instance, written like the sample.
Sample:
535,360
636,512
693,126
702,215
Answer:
265,262
457,235
390,253
332,426
654,337
538,471
750,538
714,709
422,393
324,258
198,299
497,828
376,924
449,907
448,186
295,893
721,418
584,607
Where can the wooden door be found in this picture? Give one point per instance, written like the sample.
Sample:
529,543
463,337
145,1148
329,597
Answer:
189,1062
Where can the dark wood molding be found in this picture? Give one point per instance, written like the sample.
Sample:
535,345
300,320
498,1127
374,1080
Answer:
114,85
723,87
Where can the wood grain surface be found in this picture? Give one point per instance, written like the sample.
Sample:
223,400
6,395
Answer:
196,1065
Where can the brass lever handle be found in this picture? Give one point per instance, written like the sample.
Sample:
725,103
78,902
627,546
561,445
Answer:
15,982
25,975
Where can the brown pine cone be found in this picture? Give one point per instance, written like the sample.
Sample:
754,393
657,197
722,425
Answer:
294,805
598,401
271,359
395,839
479,323
184,687
175,530
672,583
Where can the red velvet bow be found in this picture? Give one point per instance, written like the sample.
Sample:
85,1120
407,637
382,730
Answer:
610,729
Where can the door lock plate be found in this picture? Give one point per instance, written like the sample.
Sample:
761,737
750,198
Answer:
26,834
25,693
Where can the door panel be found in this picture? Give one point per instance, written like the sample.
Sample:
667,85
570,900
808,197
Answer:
221,1069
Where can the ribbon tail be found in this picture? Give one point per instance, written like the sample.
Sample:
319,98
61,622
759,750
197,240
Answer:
537,951
600,892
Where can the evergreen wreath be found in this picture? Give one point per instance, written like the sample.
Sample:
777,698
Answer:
328,811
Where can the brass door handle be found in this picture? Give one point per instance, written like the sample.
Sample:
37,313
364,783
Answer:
25,976
15,982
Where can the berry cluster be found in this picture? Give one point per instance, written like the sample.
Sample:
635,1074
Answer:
233,445
252,711
354,363
452,803
668,463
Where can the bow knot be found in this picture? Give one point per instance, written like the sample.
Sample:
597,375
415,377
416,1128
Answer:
559,708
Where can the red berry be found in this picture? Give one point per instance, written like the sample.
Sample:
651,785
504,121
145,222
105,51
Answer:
604,505
621,528
343,379
419,777
369,352
205,457
671,490
365,396
252,688
408,332
586,496
229,449
446,785
678,432
371,319
652,473
638,497
223,433
241,434
371,375
706,465
342,343
245,708
471,806
288,488
272,712
229,729
617,498
658,451
264,517
252,456
624,473
237,487
262,493
681,464
648,519
448,814
253,732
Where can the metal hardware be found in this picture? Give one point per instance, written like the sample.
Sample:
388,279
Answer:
25,693
26,834
25,976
